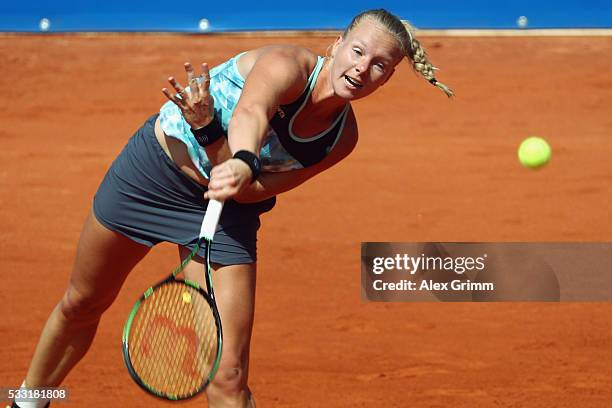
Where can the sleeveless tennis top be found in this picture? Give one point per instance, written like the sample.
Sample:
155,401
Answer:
281,149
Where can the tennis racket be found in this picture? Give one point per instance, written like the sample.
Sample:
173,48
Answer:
172,339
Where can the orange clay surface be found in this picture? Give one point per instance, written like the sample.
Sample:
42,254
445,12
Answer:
425,169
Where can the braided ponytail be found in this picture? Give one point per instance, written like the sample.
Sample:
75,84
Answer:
420,63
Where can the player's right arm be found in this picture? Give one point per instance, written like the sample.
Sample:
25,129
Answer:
278,75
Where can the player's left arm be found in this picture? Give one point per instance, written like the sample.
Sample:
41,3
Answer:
270,184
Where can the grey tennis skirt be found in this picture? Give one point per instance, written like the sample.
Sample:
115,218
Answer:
146,197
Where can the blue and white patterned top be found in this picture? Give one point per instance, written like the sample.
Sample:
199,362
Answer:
226,85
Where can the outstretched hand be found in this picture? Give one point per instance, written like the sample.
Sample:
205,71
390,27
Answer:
196,104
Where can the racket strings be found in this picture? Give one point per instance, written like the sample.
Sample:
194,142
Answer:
170,374
174,369
173,340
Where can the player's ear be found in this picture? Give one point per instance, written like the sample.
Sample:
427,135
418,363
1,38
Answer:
336,45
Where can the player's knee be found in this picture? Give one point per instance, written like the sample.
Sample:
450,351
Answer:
80,307
231,379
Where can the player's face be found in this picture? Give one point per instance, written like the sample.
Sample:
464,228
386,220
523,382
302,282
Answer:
364,60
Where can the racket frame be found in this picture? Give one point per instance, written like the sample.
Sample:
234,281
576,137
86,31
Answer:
209,225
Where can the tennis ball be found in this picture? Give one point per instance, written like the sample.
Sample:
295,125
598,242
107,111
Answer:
534,152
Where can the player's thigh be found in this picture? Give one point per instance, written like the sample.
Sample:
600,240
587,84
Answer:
104,259
234,287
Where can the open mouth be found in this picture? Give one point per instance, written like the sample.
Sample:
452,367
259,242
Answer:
352,82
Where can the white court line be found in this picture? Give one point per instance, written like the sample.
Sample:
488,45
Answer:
549,32
553,32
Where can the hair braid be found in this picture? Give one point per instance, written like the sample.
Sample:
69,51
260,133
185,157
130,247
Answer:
420,62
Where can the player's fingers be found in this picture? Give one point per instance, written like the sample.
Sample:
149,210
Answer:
192,79
221,194
214,195
219,170
205,72
223,181
233,171
178,87
205,82
189,70
223,176
172,97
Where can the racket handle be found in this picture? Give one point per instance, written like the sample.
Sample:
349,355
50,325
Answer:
211,219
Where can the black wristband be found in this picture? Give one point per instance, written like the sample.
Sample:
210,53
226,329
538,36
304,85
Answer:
210,133
251,160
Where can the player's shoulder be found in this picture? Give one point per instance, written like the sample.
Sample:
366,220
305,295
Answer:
292,52
284,68
291,59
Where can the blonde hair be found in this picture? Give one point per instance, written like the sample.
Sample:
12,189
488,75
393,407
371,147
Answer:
411,48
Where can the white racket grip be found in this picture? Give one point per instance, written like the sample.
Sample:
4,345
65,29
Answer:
211,219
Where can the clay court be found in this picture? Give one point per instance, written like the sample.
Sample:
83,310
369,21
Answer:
425,169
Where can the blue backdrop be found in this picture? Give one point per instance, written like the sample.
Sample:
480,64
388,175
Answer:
157,15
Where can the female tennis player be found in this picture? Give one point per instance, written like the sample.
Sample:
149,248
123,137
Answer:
260,124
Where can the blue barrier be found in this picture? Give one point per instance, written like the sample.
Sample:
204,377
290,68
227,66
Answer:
215,16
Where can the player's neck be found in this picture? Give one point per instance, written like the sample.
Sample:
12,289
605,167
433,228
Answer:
323,96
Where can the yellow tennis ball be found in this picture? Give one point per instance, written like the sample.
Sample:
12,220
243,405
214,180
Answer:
534,152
